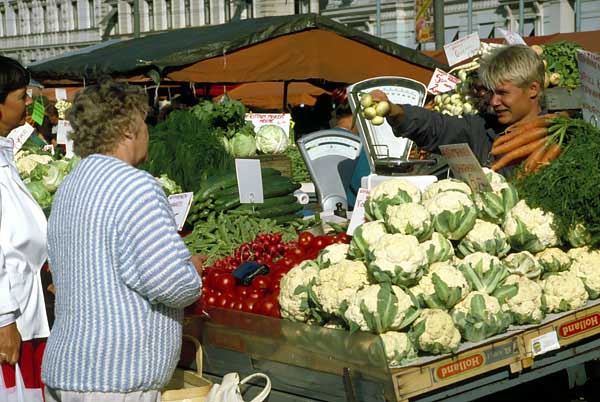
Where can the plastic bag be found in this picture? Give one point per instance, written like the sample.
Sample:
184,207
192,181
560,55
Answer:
19,393
229,390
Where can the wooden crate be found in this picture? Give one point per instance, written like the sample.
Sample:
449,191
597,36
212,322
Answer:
280,162
415,380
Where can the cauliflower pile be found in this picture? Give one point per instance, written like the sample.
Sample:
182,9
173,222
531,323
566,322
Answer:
479,316
453,213
442,287
333,254
485,237
397,259
390,192
493,205
525,303
364,238
409,219
293,295
529,229
563,292
434,332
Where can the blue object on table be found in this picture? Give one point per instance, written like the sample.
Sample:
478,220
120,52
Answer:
362,169
247,271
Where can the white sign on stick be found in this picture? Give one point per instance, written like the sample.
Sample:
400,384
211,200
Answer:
462,49
512,38
60,93
63,131
261,119
180,204
19,135
442,82
465,166
589,71
358,213
249,178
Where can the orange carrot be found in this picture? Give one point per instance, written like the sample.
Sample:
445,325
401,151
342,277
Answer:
533,161
525,138
553,152
515,154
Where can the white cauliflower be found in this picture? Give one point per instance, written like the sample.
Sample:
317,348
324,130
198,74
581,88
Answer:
483,271
398,347
380,308
486,237
26,162
553,259
438,248
390,192
409,219
529,229
563,291
337,284
577,253
453,213
587,268
480,316
523,263
333,254
293,294
445,185
364,238
434,332
526,304
451,284
398,259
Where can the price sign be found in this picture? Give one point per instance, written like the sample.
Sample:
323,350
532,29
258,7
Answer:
60,94
249,178
358,213
589,71
19,135
261,119
442,82
180,204
462,49
545,343
465,166
512,38
38,112
63,131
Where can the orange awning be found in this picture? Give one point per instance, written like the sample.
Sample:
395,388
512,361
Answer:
269,95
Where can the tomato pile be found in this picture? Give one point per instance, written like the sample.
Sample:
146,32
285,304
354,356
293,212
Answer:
219,286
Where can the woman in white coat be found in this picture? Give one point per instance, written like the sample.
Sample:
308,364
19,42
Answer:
23,321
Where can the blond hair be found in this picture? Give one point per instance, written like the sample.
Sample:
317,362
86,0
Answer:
101,115
518,64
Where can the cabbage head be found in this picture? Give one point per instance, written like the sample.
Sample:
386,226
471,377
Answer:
169,186
243,145
40,193
271,139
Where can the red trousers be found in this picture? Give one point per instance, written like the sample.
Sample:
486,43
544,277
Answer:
30,363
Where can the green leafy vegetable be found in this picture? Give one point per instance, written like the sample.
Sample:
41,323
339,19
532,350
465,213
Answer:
562,59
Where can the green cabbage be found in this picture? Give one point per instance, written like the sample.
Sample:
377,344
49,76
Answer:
243,145
40,193
168,185
271,139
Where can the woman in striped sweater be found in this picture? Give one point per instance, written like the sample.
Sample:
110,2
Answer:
122,274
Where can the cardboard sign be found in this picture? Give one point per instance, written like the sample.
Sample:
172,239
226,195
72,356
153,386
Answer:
442,82
261,119
465,166
249,178
19,135
60,94
512,38
589,71
462,49
63,131
358,213
180,204
38,112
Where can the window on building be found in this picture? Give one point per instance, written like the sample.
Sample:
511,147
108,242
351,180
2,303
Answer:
61,21
150,4
301,6
91,14
249,8
2,21
188,13
75,15
17,21
44,18
169,9
206,12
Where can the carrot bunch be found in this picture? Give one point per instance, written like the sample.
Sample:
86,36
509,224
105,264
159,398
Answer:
528,141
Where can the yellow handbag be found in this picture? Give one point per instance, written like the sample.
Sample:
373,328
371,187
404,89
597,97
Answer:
187,385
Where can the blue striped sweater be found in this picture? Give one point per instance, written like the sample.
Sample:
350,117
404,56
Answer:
122,277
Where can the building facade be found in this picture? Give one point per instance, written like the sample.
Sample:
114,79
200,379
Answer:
32,30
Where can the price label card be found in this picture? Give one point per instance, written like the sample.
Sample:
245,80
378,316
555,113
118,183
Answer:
249,178
589,70
465,166
512,38
261,119
442,82
545,343
49,148
358,213
60,94
69,149
19,135
63,131
180,204
462,49
38,112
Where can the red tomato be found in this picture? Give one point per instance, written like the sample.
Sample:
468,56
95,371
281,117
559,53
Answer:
306,240
225,283
342,237
242,291
261,282
320,242
269,306
248,305
255,294
210,300
223,301
296,254
288,262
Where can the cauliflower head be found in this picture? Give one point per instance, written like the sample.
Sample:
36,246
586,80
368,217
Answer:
364,238
523,263
398,259
563,291
438,248
27,162
409,219
587,268
333,254
398,347
480,316
525,304
335,285
293,294
434,332
493,205
390,192
442,287
445,185
380,308
484,272
553,260
529,229
486,237
579,235
453,213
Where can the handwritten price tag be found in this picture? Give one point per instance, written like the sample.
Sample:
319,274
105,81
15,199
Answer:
180,204
279,119
462,49
63,131
19,135
512,38
589,70
358,213
465,166
442,82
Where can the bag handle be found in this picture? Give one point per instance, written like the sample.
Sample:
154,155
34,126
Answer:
265,392
198,345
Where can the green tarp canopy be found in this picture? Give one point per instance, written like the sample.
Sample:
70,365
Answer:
281,48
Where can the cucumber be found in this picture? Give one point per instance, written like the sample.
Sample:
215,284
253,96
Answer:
275,186
279,210
269,203
281,219
227,184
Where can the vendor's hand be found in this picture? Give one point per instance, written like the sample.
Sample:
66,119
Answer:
10,344
199,260
396,111
378,95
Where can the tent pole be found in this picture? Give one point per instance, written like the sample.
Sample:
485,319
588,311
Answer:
522,17
469,17
378,17
285,94
136,18
438,23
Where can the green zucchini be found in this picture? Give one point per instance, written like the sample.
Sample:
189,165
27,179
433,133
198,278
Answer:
229,182
279,210
269,202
